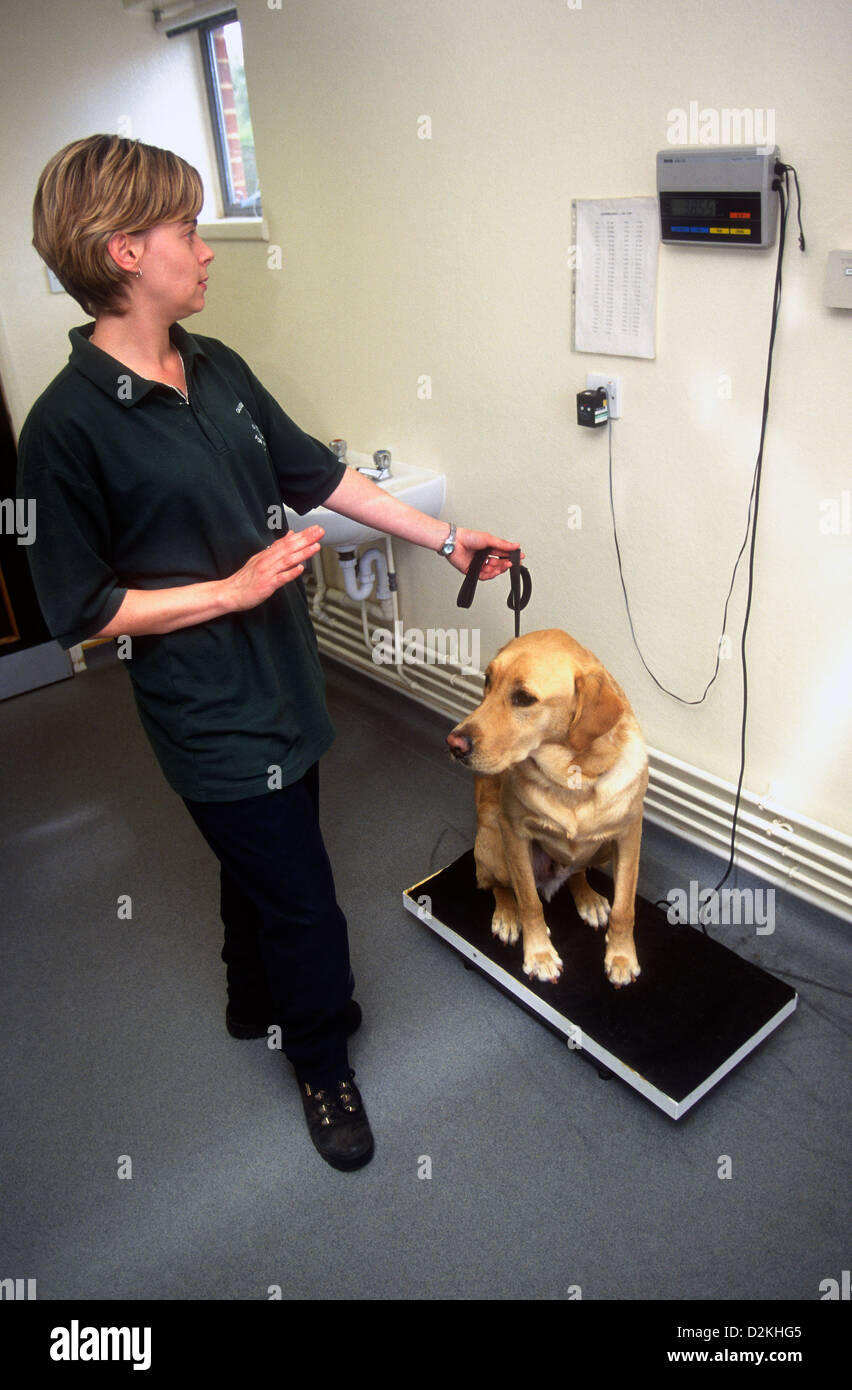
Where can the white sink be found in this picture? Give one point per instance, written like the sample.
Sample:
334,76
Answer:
422,488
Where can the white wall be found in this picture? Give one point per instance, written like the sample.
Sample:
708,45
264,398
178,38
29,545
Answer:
450,257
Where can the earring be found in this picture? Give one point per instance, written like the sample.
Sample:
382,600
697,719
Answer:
138,275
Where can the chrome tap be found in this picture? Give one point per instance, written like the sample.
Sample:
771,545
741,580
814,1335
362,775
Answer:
381,468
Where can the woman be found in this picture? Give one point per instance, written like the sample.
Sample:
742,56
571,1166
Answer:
155,458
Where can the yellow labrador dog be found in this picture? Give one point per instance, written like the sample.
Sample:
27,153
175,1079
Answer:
563,775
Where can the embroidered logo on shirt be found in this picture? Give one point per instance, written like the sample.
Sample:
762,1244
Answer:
259,439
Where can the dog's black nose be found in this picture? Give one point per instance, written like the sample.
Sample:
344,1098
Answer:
460,745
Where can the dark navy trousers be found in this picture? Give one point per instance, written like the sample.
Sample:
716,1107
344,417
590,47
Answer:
286,943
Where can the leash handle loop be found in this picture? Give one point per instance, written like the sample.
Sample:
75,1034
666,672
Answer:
520,589
520,584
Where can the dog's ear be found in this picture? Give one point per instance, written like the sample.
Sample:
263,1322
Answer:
597,709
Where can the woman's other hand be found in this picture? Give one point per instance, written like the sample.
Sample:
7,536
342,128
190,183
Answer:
279,564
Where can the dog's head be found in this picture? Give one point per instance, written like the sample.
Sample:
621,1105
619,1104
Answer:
539,689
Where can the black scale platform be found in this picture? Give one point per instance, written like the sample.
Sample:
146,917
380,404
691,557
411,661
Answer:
696,1010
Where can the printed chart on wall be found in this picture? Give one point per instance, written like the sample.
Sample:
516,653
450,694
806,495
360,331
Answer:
615,285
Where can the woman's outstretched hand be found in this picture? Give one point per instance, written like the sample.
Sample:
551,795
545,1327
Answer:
268,570
467,544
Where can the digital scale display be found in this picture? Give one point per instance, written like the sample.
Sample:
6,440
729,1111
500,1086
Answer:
722,196
710,217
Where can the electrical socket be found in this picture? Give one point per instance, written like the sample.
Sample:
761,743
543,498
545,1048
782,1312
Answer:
613,391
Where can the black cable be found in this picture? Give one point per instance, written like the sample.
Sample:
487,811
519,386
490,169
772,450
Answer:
776,304
780,185
662,687
785,169
755,485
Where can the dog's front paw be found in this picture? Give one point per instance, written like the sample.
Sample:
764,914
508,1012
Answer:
591,906
542,963
504,925
621,964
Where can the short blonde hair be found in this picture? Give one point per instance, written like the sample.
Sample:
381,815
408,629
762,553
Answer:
94,188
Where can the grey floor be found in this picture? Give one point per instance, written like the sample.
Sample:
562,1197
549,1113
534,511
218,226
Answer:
543,1176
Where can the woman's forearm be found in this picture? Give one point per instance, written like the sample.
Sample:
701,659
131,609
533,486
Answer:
144,612
363,500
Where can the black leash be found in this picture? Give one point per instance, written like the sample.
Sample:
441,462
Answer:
520,584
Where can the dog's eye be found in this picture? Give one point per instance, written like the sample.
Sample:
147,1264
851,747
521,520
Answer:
523,697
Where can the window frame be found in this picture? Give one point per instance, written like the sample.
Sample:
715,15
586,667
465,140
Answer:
205,30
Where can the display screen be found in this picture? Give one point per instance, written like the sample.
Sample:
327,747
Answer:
694,207
715,216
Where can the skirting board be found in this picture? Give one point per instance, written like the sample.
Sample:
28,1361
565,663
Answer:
695,1012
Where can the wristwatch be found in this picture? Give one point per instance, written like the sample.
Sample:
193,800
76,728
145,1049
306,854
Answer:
450,543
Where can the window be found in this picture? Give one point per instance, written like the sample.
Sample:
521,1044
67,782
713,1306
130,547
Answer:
225,78
224,71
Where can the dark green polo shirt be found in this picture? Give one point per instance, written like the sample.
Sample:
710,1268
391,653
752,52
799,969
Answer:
136,489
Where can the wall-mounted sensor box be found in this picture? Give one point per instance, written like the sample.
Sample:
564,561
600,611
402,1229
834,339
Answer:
838,280
592,407
718,197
